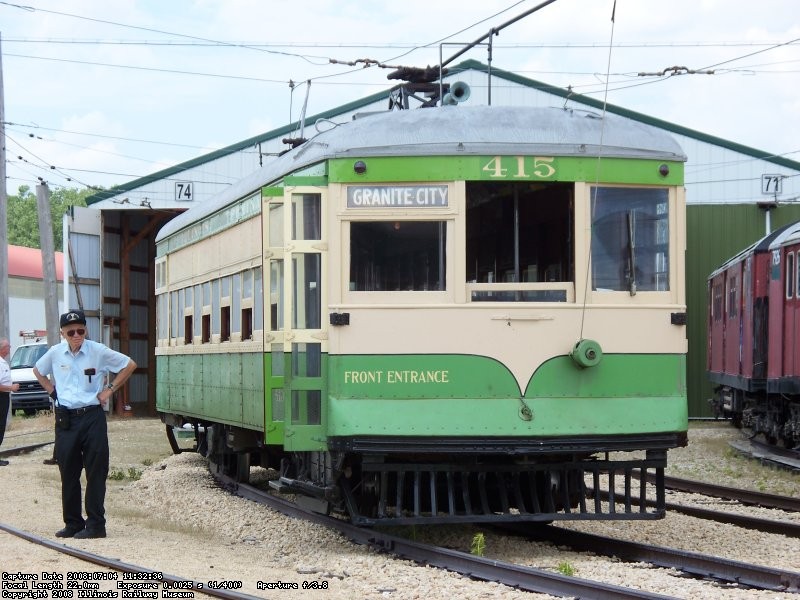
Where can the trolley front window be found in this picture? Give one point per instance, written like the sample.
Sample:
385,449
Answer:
519,242
397,256
630,239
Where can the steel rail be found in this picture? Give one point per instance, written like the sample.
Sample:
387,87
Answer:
517,576
751,497
17,450
123,567
692,563
757,450
786,528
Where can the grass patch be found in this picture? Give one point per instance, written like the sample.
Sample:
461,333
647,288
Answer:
566,569
478,546
117,474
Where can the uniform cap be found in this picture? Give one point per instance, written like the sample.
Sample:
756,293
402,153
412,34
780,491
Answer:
73,317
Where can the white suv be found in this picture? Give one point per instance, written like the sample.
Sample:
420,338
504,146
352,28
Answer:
31,395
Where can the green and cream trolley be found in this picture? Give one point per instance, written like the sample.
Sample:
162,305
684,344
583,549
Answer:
439,315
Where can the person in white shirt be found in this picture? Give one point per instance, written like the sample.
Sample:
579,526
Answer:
6,386
79,367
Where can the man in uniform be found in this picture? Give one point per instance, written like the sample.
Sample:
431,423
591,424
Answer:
79,367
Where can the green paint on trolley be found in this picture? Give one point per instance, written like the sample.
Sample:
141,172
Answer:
506,168
423,395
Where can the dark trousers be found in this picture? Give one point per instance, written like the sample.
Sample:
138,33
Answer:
5,398
83,446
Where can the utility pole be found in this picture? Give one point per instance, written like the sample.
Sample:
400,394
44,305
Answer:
48,263
4,317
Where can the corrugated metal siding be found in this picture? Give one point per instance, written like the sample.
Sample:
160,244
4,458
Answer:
715,233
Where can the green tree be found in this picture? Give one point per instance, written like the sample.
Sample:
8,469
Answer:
23,216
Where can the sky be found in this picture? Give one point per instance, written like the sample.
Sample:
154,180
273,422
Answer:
101,92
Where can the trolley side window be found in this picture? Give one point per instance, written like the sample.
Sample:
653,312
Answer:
398,256
519,239
733,297
716,304
630,239
789,275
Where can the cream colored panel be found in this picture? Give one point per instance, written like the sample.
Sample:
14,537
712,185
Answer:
232,250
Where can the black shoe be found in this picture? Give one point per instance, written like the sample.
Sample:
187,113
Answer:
50,461
69,531
3,463
87,533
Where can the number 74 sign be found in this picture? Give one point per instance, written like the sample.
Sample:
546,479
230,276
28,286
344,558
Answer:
184,191
772,184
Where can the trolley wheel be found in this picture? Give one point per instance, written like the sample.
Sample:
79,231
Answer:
237,466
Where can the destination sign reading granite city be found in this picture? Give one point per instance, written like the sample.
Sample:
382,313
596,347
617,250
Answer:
397,196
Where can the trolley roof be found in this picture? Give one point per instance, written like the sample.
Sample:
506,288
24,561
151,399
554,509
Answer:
789,235
455,130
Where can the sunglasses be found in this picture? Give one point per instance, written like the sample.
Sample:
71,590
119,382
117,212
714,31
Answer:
73,332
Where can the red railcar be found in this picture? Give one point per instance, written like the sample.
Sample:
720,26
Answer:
753,342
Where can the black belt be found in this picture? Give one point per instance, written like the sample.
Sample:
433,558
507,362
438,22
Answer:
81,410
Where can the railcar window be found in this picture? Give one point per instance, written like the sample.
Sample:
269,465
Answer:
306,404
163,316
716,306
206,338
797,280
733,304
789,274
258,290
226,286
398,256
276,352
225,332
215,310
276,225
198,310
306,217
306,407
630,239
236,303
307,275
247,323
176,301
519,233
276,295
277,404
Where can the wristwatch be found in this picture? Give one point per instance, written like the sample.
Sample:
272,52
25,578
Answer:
109,386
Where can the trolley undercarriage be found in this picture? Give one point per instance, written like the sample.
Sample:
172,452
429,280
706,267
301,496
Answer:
460,485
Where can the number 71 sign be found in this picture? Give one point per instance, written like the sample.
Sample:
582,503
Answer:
772,184
184,191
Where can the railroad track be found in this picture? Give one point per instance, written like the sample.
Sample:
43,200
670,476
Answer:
748,497
517,576
546,581
690,563
745,497
17,450
767,453
538,580
174,582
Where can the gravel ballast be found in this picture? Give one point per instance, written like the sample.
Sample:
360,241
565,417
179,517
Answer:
166,513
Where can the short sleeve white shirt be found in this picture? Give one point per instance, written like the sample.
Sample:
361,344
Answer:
79,377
